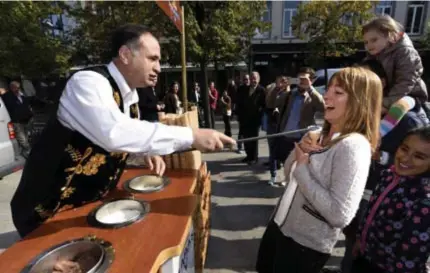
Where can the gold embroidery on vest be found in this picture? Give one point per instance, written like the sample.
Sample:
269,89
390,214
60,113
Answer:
135,111
117,98
118,155
67,191
43,213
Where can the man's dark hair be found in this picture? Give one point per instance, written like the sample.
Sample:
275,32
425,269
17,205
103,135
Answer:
128,35
376,67
307,70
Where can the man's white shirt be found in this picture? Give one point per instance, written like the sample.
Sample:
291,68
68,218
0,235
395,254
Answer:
87,105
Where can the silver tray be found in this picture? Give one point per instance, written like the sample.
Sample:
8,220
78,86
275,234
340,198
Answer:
135,185
93,255
118,213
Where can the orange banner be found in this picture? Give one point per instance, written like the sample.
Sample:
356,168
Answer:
173,10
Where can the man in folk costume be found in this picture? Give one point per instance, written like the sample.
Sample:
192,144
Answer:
81,153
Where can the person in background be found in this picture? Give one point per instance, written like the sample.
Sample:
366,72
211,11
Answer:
326,179
213,100
20,113
148,104
232,92
194,96
172,103
243,89
251,102
226,112
273,98
298,112
394,235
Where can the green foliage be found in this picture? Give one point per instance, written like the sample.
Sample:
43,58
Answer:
331,27
215,31
26,48
222,31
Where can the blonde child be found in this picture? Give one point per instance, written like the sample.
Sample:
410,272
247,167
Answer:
386,42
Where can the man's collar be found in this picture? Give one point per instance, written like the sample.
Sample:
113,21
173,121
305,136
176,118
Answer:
124,88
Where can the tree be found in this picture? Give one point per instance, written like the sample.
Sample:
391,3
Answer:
216,32
27,47
220,32
96,20
331,28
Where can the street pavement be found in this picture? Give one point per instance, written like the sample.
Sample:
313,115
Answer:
242,203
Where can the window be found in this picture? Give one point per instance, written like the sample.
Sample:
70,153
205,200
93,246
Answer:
266,17
384,8
415,17
288,22
290,9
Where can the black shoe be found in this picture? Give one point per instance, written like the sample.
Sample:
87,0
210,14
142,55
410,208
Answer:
252,162
266,164
245,160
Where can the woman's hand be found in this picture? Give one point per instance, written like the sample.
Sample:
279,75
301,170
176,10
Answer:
155,164
301,156
306,144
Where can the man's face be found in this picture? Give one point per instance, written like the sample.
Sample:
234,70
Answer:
304,80
246,80
145,62
14,88
196,87
255,79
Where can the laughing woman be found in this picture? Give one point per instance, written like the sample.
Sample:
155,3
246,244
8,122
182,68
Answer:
325,187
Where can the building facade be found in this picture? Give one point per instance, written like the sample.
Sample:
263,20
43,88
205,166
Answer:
278,51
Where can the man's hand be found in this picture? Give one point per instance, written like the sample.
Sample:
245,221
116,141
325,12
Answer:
2,91
207,140
155,164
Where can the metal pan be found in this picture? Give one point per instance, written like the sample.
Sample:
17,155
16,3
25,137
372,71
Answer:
118,213
139,185
92,255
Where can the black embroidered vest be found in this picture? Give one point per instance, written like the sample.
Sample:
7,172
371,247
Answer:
66,170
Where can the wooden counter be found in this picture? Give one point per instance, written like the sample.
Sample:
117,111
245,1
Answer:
139,248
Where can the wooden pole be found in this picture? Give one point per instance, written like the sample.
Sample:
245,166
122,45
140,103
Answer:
184,64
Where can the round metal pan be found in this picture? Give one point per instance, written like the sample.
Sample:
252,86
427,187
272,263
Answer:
141,184
118,213
92,256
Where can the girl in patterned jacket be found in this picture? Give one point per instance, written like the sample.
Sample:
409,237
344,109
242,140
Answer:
394,236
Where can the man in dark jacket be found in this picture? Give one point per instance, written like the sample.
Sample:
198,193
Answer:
148,104
250,105
20,113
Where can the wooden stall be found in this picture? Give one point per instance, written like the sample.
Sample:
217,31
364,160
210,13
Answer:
178,216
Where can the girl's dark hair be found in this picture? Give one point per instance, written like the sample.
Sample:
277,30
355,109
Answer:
173,84
421,132
376,67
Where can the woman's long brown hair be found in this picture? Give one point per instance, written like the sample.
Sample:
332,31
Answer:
364,89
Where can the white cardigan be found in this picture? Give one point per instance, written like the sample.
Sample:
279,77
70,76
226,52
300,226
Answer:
329,190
